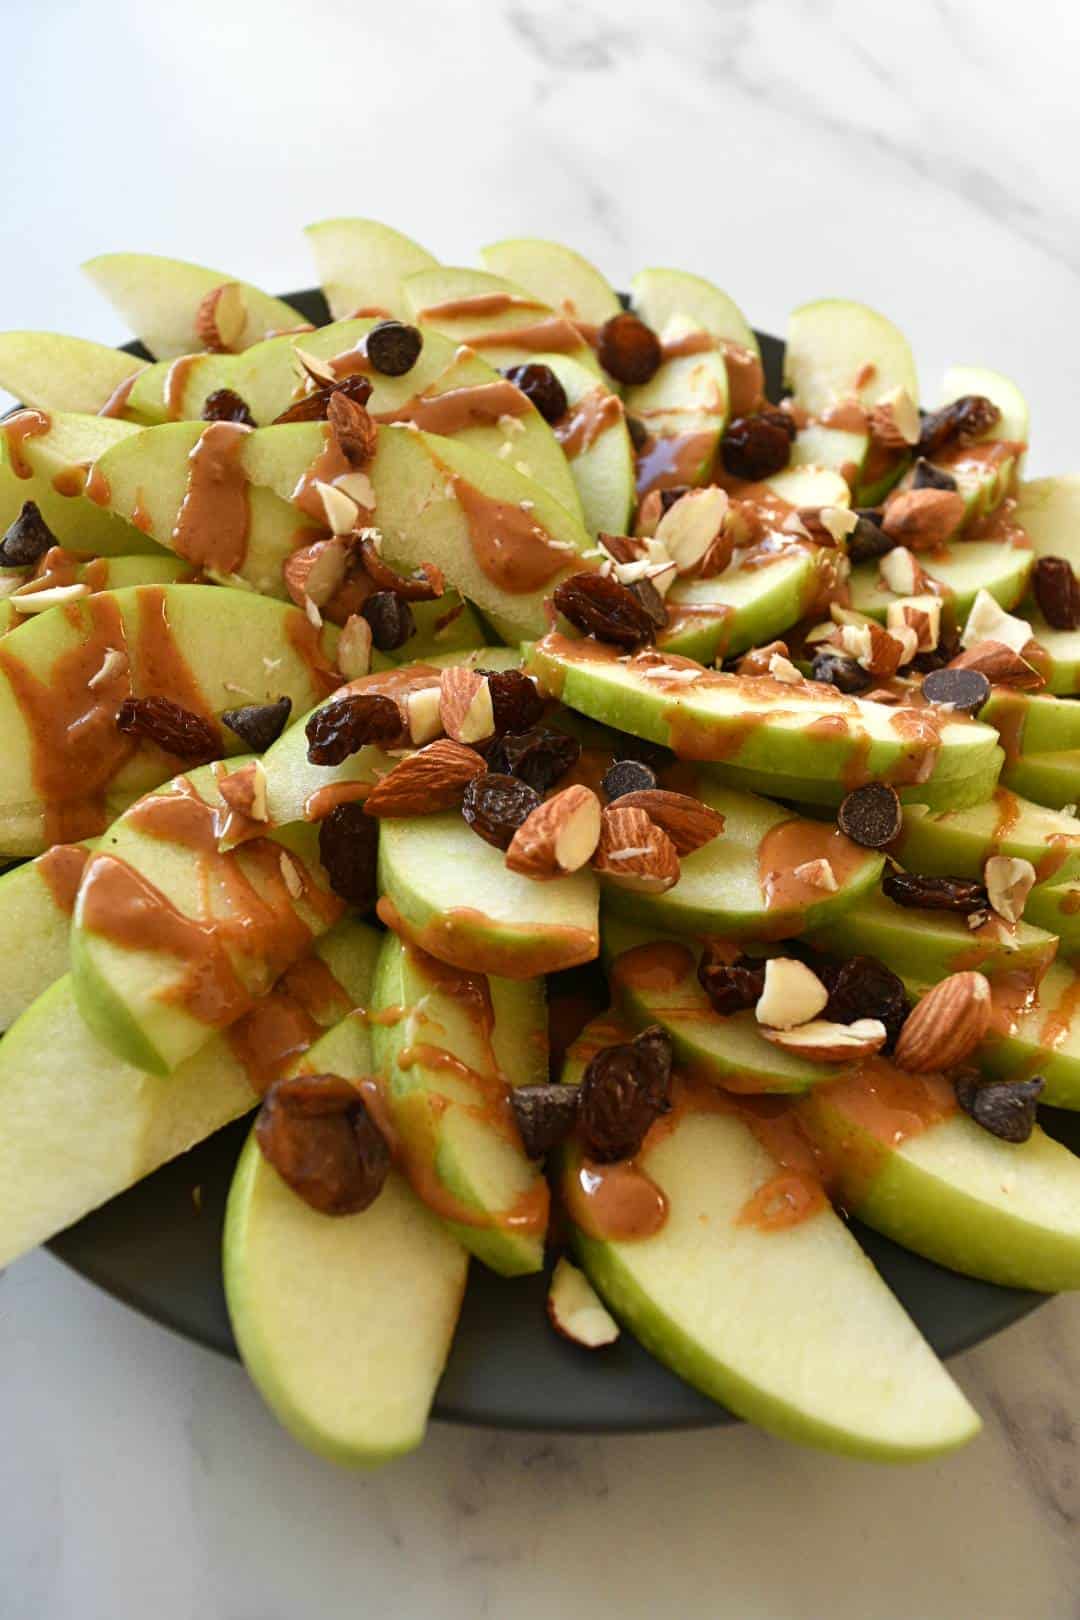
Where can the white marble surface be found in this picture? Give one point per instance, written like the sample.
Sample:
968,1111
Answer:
921,158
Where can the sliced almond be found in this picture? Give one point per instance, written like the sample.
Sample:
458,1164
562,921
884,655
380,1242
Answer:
559,836
244,790
828,525
354,648
900,572
423,715
691,524
877,650
113,662
30,601
342,512
433,779
923,518
359,488
792,995
634,852
1001,666
818,873
922,614
894,421
221,318
688,823
315,573
650,511
576,1311
946,1026
1009,880
988,621
782,669
312,367
822,1041
291,876
465,707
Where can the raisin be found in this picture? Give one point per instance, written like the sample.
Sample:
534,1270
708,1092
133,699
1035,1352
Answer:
755,447
393,347
946,650
964,418
731,987
539,757
668,497
1057,592
965,690
391,620
313,407
629,350
1005,1108
223,405
495,806
599,606
625,300
935,893
545,1116
174,730
651,600
423,586
323,1143
343,726
863,987
868,541
837,669
624,1089
27,540
259,724
540,385
352,427
927,476
870,815
627,776
639,433
348,847
515,701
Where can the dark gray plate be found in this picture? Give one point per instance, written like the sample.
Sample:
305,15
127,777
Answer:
157,1248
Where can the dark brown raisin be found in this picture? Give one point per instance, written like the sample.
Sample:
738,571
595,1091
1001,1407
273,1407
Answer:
346,724
539,757
323,1143
516,703
391,620
863,987
627,776
629,350
599,606
169,727
926,476
259,724
27,540
540,385
393,347
935,893
668,497
348,848
495,806
545,1116
223,405
731,987
624,1089
756,447
946,650
1005,1108
651,600
313,407
965,690
625,300
639,433
352,427
837,669
867,541
1057,592
871,815
965,418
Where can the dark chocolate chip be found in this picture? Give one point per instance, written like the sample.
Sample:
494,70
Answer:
628,350
540,385
867,541
837,669
627,776
259,724
965,690
625,300
871,815
927,476
391,620
545,1116
393,347
1005,1108
651,600
668,497
539,757
27,540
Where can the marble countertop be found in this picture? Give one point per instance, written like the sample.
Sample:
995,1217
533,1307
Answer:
923,163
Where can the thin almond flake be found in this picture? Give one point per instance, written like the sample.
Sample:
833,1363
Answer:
782,669
237,691
527,506
42,601
314,617
663,672
113,662
818,873
505,451
291,877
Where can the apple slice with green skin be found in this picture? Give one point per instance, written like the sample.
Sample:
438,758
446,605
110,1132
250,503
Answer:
742,884
452,894
1051,779
160,300
1007,1212
1032,722
1056,907
448,1045
958,843
684,408
948,793
1048,511
1042,1039
555,273
985,473
712,1294
361,265
1055,653
597,446
963,571
44,458
172,938
500,319
661,296
36,900
81,1127
346,1357
444,627
102,574
925,946
58,373
654,981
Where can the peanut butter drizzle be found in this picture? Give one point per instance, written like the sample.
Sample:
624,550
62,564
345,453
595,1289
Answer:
176,380
1059,1019
331,463
214,519
790,844
318,805
489,303
159,668
795,1192
1001,525
453,937
1007,806
312,983
96,488
1010,721
693,342
659,964
57,567
480,405
306,643
61,869
351,362
848,416
116,404
268,1039
595,412
17,429
1013,994
745,379
508,545
884,1107
71,481
615,1203
550,336
672,459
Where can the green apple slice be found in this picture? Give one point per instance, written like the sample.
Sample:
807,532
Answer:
48,464
79,1126
499,318
714,1296
1055,654
452,894
597,446
1042,1039
983,474
361,265
36,901
556,274
58,373
1032,723
160,299
958,843
1006,1212
1051,779
684,408
447,1045
948,793
1056,907
101,574
1048,510
838,350
713,619
173,939
661,296
741,884
960,573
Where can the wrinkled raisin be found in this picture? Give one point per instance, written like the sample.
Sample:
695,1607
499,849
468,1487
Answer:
174,730
668,497
863,987
964,418
1057,592
495,806
599,606
947,649
731,986
935,893
755,447
391,620
313,407
651,601
515,701
1005,1108
837,669
348,847
323,1143
346,724
627,776
871,815
259,724
965,690
868,540
539,757
624,1089
540,385
223,405
393,347
639,433
27,540
545,1116
629,350
927,476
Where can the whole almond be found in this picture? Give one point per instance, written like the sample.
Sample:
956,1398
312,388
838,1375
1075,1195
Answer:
465,705
221,317
634,852
433,779
821,1041
688,823
559,836
1009,880
353,428
923,518
947,1024
1000,665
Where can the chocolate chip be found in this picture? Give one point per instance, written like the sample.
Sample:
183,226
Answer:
391,620
872,514
965,690
223,405
627,776
545,1116
948,648
863,987
1057,592
1005,1108
871,815
393,347
259,724
935,893
837,669
323,1143
731,987
629,350
927,476
625,300
624,1089
867,541
639,433
27,540
540,385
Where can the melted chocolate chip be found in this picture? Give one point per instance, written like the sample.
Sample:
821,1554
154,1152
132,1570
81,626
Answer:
871,815
545,1116
867,541
627,776
391,620
965,690
1005,1108
27,540
393,347
323,1143
259,724
540,385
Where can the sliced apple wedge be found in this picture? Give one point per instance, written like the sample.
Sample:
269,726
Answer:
53,588
838,350
36,901
986,470
164,302
555,273
1043,1038
1051,779
45,458
958,843
500,319
684,408
1048,511
57,373
957,577
661,296
596,443
361,265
